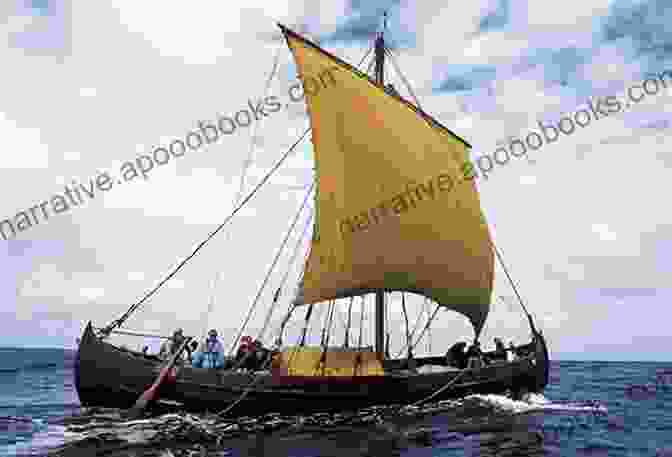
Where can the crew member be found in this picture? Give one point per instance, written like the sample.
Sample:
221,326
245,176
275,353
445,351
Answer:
210,354
170,346
475,355
456,356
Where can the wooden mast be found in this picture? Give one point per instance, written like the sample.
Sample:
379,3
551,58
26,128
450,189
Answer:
380,294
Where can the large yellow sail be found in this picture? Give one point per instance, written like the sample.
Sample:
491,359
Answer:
393,212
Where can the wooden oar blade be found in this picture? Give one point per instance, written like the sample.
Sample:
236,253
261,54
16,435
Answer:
144,399
152,393
148,395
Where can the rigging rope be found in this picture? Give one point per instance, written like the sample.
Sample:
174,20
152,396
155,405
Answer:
286,275
392,57
146,335
253,134
270,270
324,327
277,295
389,53
331,322
387,325
429,322
416,326
361,323
306,320
506,271
438,391
347,328
329,319
368,69
211,305
429,330
408,330
291,307
274,168
321,311
243,175
339,316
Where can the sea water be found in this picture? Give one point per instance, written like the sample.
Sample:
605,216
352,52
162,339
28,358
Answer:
588,408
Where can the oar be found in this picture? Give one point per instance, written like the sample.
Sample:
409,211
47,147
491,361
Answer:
152,392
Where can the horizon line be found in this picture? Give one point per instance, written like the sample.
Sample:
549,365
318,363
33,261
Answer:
559,359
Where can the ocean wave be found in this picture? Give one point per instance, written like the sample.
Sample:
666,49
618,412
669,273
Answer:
41,406
538,403
43,366
20,424
38,366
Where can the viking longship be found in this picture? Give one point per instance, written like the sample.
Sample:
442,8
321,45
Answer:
394,213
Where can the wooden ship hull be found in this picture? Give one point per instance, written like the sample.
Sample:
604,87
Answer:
107,376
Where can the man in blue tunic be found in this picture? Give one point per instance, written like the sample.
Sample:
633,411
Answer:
210,354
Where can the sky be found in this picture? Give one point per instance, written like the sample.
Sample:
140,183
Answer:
87,86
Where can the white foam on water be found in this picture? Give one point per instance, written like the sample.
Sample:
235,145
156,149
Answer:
507,404
534,402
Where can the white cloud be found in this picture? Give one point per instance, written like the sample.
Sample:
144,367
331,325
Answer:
87,91
528,180
218,29
72,156
495,47
91,293
575,14
176,284
23,147
603,232
165,194
428,21
136,276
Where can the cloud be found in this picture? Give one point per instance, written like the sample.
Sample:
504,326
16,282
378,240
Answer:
26,148
575,16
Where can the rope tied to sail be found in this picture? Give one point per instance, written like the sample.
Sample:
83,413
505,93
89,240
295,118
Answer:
346,342
409,354
283,282
268,275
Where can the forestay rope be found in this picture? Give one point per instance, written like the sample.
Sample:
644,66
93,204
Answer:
119,322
